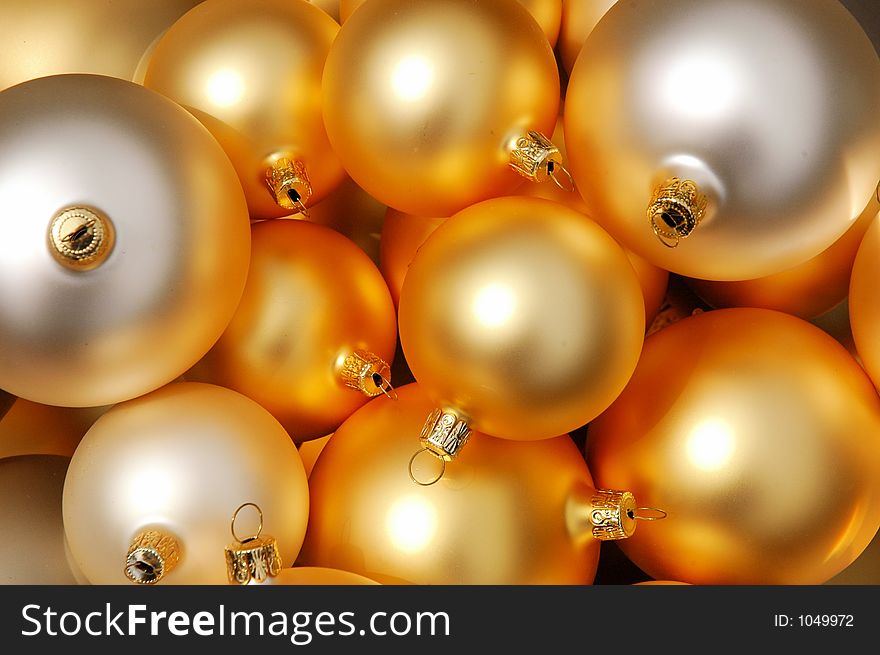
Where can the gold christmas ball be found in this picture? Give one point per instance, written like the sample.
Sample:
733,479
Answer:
178,462
402,236
312,300
807,290
505,512
864,309
758,434
131,240
725,140
250,70
523,315
579,17
32,547
309,451
316,575
426,110
51,37
34,429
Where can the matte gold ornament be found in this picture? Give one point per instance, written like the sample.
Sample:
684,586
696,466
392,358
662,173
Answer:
51,37
329,7
32,547
426,111
309,451
314,332
316,575
807,290
506,513
864,309
725,141
522,317
760,436
148,494
34,429
548,14
402,236
131,240
251,72
579,17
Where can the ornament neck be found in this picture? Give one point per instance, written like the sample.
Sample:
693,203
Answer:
152,555
81,238
256,557
289,183
535,158
368,373
444,434
613,514
677,206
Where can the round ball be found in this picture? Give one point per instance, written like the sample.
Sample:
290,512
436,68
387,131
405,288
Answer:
175,274
760,436
864,310
312,298
402,236
767,105
181,460
579,17
504,512
424,109
523,314
51,37
250,70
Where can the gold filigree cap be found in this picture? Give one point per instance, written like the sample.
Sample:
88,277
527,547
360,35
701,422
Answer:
445,433
613,514
252,558
536,158
289,183
80,238
368,373
677,206
152,555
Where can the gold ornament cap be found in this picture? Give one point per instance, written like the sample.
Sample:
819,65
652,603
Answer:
153,554
445,433
537,159
677,206
368,373
252,558
81,238
289,183
613,514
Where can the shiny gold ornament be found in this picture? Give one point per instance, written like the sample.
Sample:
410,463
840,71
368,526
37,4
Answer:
548,14
255,558
50,37
523,316
312,301
864,308
33,429
315,575
506,513
758,434
402,236
579,17
251,72
653,279
131,240
174,462
32,547
426,110
807,290
765,106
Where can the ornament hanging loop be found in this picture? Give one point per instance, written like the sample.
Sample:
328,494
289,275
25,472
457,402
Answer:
647,514
535,158
430,481
252,558
289,183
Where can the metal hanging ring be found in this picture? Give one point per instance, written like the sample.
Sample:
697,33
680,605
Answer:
569,186
412,475
656,514
235,516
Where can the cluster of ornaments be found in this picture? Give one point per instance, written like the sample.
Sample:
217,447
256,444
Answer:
191,306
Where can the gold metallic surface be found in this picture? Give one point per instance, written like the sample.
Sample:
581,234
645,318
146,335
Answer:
767,105
81,238
675,211
32,547
152,555
309,451
289,183
366,372
760,436
250,70
864,307
103,37
329,7
579,17
807,290
312,298
424,109
256,558
505,512
176,461
402,236
444,433
522,314
33,429
172,281
315,575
